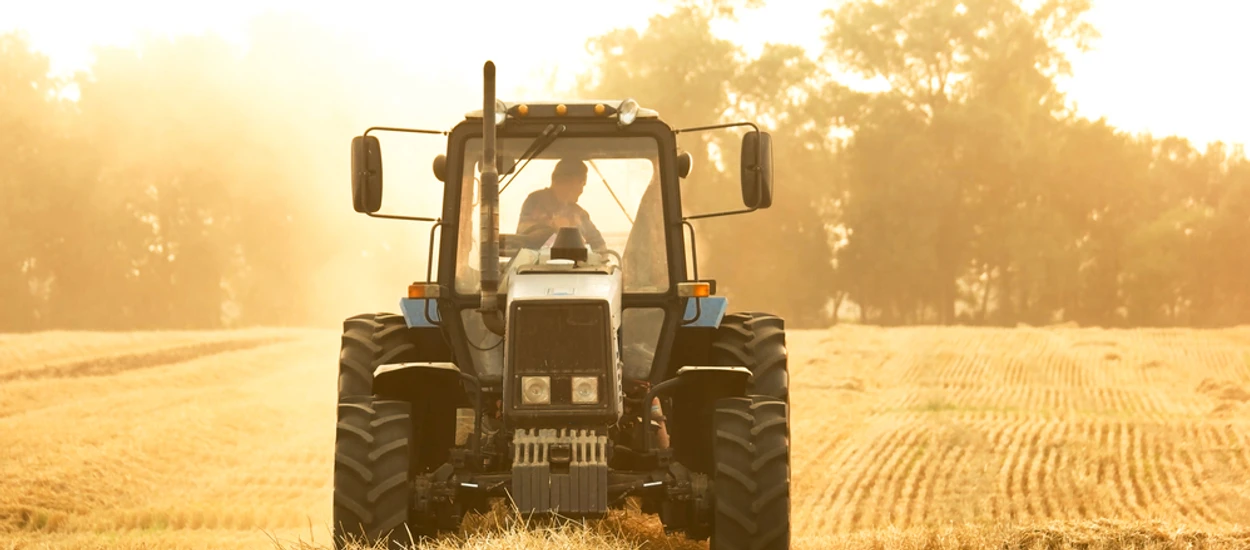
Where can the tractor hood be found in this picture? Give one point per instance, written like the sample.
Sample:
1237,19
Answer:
563,326
532,275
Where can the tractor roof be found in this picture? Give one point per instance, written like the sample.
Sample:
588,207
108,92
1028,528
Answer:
567,109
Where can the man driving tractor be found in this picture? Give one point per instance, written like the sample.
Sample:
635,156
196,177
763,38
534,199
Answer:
571,374
546,210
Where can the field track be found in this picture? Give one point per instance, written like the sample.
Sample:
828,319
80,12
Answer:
223,439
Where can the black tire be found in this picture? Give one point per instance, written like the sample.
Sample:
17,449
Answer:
756,341
751,486
369,340
372,458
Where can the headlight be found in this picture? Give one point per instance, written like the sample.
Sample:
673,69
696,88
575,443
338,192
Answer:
627,112
585,389
536,390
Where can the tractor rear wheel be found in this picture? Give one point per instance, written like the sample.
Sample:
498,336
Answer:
751,483
756,341
372,473
370,340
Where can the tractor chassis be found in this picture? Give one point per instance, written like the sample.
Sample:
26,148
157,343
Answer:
440,498
680,495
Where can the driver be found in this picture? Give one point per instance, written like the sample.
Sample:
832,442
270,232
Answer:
551,208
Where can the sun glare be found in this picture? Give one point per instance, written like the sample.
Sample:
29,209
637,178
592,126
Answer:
1158,67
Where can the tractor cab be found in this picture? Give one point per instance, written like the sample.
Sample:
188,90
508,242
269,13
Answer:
582,167
566,354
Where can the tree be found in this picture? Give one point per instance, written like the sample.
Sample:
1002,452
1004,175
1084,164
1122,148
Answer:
41,174
785,90
960,134
161,119
680,68
1227,260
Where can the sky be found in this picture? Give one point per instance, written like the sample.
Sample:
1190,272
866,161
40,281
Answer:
1165,67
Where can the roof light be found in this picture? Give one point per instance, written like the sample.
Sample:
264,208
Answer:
501,112
627,112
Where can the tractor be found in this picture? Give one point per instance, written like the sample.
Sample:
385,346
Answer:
575,365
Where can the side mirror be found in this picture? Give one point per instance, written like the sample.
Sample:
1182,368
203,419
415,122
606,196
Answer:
366,174
757,169
440,168
684,163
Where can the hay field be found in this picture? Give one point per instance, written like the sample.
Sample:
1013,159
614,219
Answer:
903,438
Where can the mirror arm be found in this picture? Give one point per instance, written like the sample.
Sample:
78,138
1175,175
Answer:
719,214
407,130
429,260
759,155
410,131
408,218
694,260
717,127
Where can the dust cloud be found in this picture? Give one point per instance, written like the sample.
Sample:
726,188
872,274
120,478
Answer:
195,183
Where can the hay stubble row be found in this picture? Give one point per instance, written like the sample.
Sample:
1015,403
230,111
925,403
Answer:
223,439
1020,426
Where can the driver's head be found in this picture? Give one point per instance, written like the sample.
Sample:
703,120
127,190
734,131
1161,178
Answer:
568,179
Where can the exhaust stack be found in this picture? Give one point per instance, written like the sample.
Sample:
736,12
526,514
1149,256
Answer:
492,317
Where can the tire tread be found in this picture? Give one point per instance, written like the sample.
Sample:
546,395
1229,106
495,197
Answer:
751,489
371,472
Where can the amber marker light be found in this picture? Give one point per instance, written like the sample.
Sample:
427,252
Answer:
423,290
694,290
561,109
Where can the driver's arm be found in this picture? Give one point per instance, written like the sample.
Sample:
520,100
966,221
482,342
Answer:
535,225
590,232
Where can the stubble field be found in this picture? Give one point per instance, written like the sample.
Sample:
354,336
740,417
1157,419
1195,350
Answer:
902,438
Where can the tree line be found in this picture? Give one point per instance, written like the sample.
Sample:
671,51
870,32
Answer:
928,170
957,186
183,184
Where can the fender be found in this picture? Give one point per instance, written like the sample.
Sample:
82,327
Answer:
695,394
692,344
698,388
718,380
704,312
421,312
407,381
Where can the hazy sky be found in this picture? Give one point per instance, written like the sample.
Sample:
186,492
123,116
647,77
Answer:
1168,67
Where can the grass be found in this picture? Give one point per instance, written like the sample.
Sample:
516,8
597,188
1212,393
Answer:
906,438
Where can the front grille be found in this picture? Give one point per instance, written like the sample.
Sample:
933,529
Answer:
559,338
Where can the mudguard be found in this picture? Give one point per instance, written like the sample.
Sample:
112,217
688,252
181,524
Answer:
406,381
421,312
704,312
732,381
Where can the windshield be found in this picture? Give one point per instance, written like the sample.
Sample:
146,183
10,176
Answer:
606,186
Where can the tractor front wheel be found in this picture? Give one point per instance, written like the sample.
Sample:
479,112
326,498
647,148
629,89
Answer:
372,473
370,340
751,483
756,341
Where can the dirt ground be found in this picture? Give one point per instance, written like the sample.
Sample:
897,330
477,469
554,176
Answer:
902,438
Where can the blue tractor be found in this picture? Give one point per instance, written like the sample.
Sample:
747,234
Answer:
575,363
